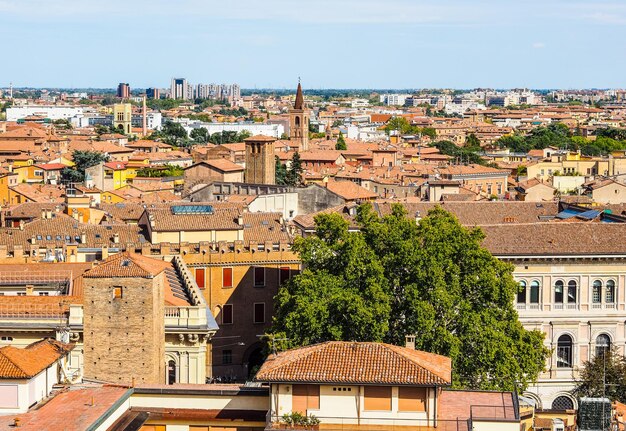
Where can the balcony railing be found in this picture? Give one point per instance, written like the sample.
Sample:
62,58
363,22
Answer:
185,317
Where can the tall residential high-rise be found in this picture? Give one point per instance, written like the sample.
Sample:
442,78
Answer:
153,93
299,122
181,89
123,90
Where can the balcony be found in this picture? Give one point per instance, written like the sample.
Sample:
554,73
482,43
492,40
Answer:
186,317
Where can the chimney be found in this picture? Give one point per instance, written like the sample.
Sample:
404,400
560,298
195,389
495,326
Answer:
21,224
83,237
30,290
240,220
43,213
410,342
17,422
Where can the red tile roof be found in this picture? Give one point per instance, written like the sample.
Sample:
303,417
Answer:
71,410
357,363
460,405
127,264
25,363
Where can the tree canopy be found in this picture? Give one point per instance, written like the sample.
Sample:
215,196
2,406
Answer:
293,175
592,377
396,277
558,135
341,143
82,160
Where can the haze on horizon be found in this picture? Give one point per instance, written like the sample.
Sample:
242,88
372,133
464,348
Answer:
329,44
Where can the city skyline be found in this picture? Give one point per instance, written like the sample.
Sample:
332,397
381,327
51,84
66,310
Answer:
348,44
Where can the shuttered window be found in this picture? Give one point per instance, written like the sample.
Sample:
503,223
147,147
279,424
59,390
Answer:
227,277
200,277
378,398
411,399
305,397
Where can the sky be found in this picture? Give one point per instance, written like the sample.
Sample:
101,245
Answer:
327,43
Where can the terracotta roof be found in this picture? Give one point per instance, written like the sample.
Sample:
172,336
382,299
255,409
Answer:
259,138
25,363
357,363
484,213
223,165
349,190
562,238
163,219
461,405
127,264
70,410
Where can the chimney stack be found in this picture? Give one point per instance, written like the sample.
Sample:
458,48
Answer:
410,342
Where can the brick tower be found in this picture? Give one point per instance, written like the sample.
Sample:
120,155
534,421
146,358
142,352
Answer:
260,160
124,320
299,122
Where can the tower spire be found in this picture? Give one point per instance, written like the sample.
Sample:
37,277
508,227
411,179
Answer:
299,97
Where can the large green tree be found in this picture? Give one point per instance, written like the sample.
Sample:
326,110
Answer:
341,293
604,375
439,283
293,176
82,160
341,143
200,135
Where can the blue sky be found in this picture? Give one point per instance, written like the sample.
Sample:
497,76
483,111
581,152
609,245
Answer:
328,43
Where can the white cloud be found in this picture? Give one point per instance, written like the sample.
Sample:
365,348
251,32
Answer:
539,45
606,18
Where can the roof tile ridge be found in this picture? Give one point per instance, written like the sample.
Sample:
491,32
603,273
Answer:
398,350
304,351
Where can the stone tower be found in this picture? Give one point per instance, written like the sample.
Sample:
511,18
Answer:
124,320
299,122
122,117
260,160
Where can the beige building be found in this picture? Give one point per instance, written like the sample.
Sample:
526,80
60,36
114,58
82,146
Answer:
573,277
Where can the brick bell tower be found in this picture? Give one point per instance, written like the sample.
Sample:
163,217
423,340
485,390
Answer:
299,122
260,160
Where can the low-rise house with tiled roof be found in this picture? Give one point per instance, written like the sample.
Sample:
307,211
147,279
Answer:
534,190
27,375
208,171
605,191
361,385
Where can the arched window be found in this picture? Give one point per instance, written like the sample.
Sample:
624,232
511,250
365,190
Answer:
564,352
534,292
563,403
571,292
171,372
558,292
610,292
596,295
603,344
521,294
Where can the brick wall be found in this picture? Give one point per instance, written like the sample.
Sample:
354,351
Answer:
124,338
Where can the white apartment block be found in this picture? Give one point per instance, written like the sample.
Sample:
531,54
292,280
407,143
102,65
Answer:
52,112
